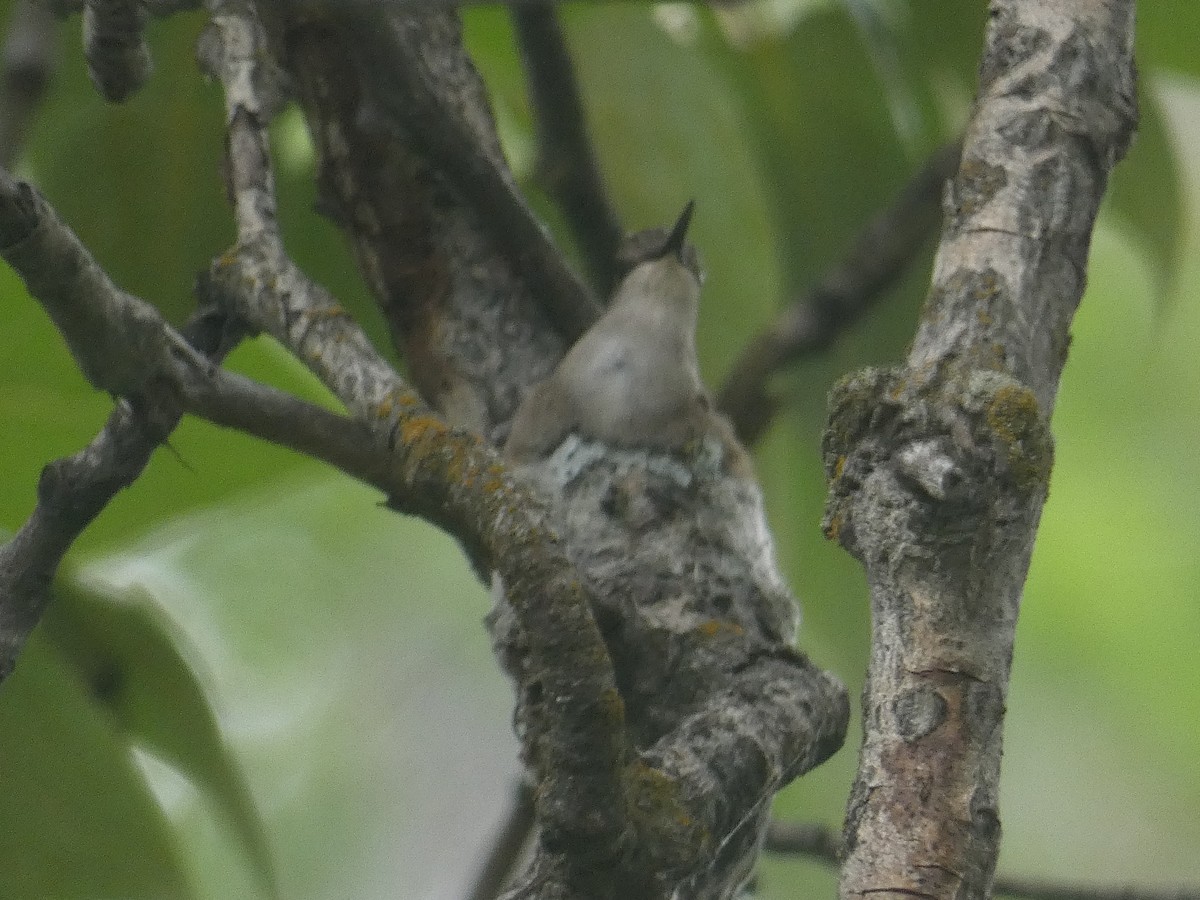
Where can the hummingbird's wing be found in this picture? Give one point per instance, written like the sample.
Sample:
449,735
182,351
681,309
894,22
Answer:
543,420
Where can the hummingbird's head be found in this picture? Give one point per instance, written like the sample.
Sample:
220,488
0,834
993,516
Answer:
660,244
664,275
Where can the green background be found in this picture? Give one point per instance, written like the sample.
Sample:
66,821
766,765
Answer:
255,681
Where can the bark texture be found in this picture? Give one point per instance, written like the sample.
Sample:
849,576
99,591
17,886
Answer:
720,710
939,469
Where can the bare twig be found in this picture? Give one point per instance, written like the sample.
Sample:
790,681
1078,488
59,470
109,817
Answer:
73,491
880,253
28,61
566,160
506,850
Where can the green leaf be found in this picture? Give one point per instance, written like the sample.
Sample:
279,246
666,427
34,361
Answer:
78,820
1166,35
946,45
341,645
139,182
126,652
830,152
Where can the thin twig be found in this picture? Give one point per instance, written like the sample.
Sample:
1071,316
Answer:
73,491
28,61
821,843
231,51
880,253
505,852
567,166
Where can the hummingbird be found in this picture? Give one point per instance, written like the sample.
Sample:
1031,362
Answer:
632,380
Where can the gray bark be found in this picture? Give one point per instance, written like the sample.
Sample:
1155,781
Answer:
939,469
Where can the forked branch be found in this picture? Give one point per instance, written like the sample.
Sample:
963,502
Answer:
938,470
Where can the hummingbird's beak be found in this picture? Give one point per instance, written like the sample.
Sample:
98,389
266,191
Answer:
674,242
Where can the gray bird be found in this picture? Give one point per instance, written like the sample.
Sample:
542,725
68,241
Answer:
632,379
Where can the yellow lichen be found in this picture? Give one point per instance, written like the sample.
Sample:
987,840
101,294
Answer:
1015,418
713,627
419,428
833,528
657,811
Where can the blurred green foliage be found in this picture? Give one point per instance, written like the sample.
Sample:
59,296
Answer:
249,661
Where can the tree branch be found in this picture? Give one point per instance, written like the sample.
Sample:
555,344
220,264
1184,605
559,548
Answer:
938,471
877,257
566,162
73,491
